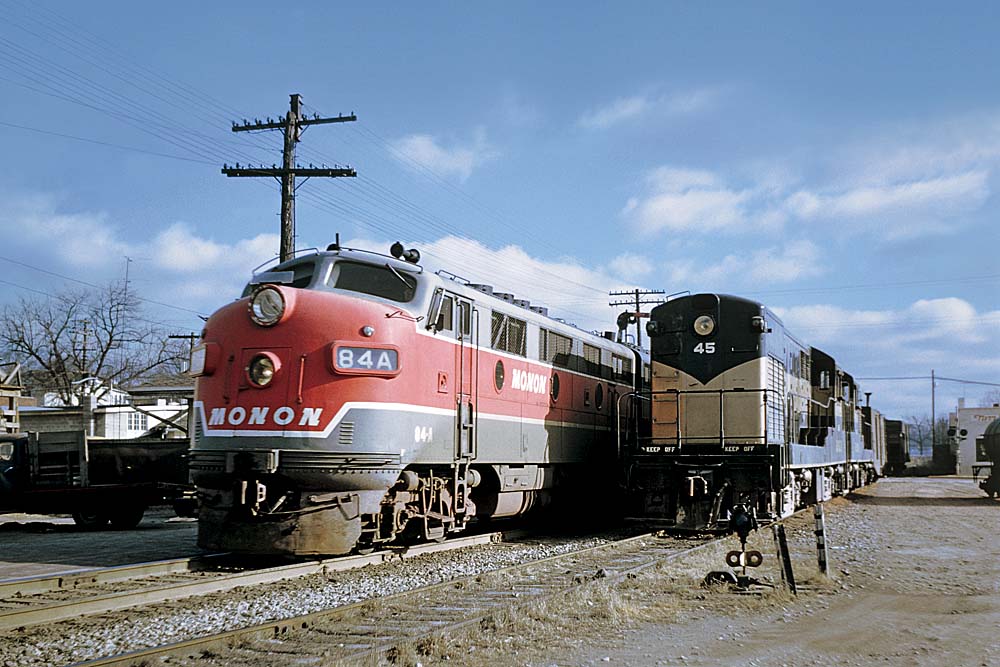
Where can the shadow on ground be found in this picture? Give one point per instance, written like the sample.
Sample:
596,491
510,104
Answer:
863,499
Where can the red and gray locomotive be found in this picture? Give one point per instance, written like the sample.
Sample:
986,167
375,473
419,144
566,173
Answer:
744,414
351,399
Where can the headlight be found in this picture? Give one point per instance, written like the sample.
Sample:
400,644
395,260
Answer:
196,366
267,306
6,451
261,370
704,325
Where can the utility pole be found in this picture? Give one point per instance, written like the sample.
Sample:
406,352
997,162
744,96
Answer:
638,301
190,338
933,415
85,331
293,125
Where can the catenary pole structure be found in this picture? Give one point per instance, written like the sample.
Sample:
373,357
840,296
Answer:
293,124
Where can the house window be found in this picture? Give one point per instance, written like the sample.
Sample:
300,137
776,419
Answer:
137,421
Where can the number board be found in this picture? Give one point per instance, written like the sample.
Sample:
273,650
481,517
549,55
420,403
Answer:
367,360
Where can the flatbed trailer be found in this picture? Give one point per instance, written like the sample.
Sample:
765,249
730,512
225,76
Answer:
96,480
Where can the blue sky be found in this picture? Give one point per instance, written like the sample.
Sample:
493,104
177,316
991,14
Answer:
837,163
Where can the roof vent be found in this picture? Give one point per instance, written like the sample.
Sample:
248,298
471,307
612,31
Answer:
522,303
504,296
485,289
541,310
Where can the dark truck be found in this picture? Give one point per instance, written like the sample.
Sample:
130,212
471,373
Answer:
96,480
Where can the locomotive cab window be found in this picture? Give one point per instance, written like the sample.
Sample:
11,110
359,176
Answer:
380,281
444,322
298,275
465,318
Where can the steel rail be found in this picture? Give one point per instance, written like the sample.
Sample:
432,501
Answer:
58,611
71,579
467,613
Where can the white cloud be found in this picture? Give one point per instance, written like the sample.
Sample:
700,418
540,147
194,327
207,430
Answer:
948,335
457,160
81,240
793,261
774,265
697,201
179,250
618,111
569,289
945,320
917,207
930,181
624,109
176,266
631,266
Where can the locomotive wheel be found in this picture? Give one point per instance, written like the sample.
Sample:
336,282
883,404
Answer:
127,518
90,518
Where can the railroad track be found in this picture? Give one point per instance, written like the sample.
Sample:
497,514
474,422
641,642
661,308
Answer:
47,599
360,633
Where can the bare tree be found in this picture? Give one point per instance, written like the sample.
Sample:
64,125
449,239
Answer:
67,342
921,438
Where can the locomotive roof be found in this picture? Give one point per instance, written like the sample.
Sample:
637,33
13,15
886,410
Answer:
456,283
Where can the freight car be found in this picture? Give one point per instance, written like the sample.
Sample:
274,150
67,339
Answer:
897,446
351,399
744,414
991,453
98,481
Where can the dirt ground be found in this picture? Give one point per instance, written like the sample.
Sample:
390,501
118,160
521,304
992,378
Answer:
915,580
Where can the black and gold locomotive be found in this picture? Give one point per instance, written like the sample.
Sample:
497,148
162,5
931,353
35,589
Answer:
743,413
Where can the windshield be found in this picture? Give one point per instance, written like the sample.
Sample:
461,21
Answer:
381,281
298,275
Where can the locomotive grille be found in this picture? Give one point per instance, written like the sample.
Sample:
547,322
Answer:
207,460
775,400
319,460
346,434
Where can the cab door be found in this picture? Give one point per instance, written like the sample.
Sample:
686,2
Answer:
466,370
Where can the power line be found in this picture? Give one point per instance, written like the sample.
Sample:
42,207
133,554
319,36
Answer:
104,143
92,285
60,297
908,283
924,378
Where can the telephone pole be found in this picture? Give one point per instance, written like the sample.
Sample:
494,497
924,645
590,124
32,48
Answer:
638,301
933,414
190,338
293,124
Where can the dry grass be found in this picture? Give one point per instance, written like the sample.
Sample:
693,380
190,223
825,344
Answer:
534,630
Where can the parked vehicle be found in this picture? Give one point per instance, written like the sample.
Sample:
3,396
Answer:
98,481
